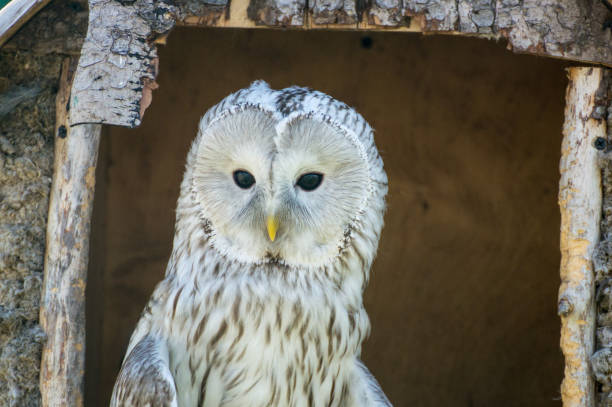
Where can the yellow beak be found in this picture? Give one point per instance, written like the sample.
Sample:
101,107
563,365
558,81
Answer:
272,224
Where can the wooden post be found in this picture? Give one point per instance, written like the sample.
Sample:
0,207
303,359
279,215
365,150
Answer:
15,14
580,199
62,311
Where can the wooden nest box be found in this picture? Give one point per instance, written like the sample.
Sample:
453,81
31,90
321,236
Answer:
463,299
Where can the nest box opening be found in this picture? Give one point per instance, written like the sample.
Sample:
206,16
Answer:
464,289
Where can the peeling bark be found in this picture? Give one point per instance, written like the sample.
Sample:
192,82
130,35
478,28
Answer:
14,14
277,12
334,11
116,60
572,29
386,12
59,28
119,61
580,201
602,359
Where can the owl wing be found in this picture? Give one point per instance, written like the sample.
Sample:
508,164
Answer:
367,391
145,379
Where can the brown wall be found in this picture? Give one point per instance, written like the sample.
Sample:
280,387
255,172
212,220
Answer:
463,296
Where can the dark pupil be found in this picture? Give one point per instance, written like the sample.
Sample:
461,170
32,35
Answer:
244,179
310,181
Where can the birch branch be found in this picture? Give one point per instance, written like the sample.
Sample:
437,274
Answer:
62,311
580,200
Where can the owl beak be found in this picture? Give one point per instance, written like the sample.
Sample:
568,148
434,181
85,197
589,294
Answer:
272,224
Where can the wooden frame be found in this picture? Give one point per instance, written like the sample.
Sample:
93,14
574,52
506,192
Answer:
15,14
113,84
62,310
580,200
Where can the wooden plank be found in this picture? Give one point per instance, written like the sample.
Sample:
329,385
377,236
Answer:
62,310
15,14
118,65
323,16
580,200
568,29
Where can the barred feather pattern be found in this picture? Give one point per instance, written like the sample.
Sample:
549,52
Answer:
218,331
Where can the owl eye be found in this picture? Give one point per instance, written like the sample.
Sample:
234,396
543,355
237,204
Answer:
244,179
310,181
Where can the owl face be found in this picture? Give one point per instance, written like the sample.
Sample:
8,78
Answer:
285,193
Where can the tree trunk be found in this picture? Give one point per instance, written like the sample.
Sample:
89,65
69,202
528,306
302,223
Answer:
62,311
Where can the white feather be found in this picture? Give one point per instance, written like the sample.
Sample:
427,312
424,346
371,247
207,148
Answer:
251,322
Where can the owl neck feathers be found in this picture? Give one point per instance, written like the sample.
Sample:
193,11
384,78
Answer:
194,257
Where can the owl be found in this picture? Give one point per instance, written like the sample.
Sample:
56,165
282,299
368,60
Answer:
277,225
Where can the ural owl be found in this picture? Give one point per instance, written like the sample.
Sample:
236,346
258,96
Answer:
277,225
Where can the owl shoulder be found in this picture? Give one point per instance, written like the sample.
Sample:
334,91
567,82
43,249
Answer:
145,378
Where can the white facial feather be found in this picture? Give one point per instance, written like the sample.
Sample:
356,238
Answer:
249,131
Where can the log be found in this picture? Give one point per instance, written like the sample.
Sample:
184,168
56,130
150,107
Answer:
580,201
117,69
321,15
62,310
15,14
568,29
334,11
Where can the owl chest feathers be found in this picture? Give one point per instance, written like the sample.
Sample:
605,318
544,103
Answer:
258,337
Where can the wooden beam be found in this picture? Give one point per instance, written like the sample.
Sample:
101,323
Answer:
567,29
580,200
117,68
15,14
237,16
62,310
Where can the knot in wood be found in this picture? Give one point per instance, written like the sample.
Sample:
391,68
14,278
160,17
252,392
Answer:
600,143
565,307
62,132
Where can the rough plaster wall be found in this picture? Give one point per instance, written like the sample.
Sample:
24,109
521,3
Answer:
463,296
27,117
29,73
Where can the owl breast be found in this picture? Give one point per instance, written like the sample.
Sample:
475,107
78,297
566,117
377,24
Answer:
259,341
277,225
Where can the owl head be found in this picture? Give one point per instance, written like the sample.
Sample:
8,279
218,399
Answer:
287,176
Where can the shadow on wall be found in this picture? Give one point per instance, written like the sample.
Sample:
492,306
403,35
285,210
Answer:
463,295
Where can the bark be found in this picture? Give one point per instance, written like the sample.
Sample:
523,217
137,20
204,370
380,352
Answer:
59,28
15,14
62,311
580,201
117,68
118,64
571,29
602,360
277,12
334,11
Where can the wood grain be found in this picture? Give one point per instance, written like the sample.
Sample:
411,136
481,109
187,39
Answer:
580,199
62,310
15,14
118,65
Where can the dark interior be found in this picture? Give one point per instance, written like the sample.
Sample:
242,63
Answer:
463,294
